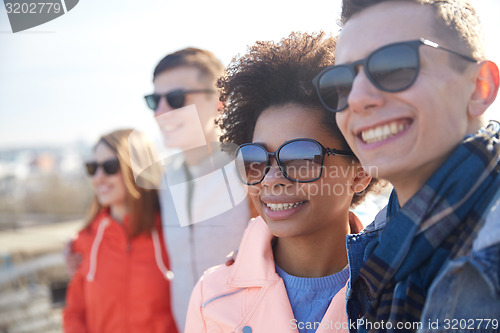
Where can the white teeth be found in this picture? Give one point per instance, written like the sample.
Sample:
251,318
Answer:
382,132
170,127
394,127
386,131
283,206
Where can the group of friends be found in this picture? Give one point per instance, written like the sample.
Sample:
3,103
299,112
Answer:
276,150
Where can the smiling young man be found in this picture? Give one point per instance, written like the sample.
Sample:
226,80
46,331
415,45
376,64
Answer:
202,221
410,88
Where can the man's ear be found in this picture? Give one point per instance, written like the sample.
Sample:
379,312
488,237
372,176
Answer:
220,105
486,88
361,180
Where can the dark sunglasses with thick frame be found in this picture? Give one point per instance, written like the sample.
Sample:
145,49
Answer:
294,154
391,68
175,98
110,167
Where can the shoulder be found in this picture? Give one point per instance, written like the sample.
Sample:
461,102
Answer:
490,232
379,222
85,237
214,280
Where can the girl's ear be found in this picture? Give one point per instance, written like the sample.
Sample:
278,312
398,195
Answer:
486,88
361,180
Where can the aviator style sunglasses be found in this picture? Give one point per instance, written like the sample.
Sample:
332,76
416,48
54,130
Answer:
391,68
175,98
110,167
299,160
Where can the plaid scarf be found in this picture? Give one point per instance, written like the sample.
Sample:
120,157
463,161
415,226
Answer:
439,223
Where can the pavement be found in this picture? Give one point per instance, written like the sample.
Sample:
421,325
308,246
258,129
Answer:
41,238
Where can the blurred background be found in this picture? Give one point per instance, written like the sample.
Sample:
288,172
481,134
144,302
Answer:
64,83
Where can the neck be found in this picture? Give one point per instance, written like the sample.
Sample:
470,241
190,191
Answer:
315,255
194,157
118,212
406,186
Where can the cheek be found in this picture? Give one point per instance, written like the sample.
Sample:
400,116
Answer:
94,182
440,118
333,193
254,193
342,118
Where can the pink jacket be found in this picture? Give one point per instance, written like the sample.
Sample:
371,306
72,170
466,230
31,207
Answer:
250,297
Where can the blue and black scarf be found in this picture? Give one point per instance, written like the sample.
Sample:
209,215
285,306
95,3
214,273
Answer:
437,224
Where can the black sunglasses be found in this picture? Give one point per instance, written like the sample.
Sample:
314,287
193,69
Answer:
391,68
175,98
299,160
110,167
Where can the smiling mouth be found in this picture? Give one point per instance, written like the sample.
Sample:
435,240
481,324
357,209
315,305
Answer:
385,131
103,189
170,127
283,206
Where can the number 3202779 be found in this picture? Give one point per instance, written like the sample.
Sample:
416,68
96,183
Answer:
32,7
471,324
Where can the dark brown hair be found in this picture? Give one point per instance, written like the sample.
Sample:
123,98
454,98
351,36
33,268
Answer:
142,203
275,74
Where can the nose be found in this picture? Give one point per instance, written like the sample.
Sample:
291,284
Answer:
364,96
163,106
274,177
99,173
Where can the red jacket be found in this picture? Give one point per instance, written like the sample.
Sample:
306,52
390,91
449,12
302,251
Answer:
122,283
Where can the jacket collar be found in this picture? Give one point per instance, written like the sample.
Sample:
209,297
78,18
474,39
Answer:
255,265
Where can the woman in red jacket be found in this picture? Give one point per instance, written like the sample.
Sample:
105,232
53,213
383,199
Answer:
122,283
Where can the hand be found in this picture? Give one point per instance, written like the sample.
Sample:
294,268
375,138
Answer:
71,259
231,257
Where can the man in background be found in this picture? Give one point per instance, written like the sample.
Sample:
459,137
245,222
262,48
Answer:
204,207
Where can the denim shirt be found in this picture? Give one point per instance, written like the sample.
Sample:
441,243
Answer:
357,245
464,296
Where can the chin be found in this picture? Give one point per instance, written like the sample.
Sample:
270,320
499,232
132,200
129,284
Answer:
281,228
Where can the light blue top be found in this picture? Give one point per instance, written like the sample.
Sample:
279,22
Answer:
310,297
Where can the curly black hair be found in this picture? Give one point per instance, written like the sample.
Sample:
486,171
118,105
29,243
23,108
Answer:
272,74
275,74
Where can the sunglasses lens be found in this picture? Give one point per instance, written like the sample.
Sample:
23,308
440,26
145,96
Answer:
302,160
152,101
251,161
91,168
111,167
334,87
394,68
176,99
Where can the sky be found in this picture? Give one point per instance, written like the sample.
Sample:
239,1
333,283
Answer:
86,72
